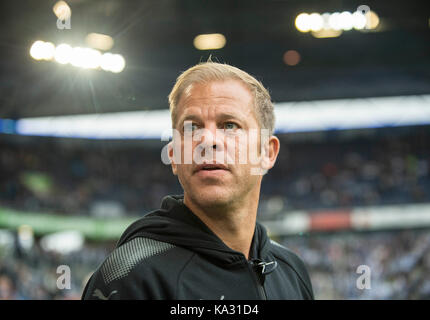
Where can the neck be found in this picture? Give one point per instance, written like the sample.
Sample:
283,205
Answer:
233,224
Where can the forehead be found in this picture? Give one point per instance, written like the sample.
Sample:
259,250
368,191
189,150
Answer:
217,96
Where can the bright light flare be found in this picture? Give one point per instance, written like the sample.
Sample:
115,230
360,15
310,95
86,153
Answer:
99,41
212,41
63,53
62,10
112,62
345,21
326,17
86,58
372,20
359,20
41,50
336,21
327,33
316,22
302,23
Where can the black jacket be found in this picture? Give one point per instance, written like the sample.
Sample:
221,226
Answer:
171,254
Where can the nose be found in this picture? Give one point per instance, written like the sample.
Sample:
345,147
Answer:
211,139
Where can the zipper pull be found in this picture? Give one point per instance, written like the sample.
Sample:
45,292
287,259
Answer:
268,267
265,267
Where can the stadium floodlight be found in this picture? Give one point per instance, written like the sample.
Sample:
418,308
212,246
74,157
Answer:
372,20
78,57
112,62
316,22
62,10
41,50
105,62
302,22
92,58
326,16
345,21
86,58
118,63
63,53
99,41
36,50
327,33
211,41
359,20
336,21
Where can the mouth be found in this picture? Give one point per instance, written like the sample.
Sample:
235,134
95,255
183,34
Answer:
208,168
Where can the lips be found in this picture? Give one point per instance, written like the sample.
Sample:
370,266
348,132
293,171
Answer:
210,167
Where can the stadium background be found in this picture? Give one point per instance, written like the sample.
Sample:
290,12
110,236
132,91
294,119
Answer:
80,143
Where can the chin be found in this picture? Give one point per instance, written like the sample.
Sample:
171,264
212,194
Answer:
213,196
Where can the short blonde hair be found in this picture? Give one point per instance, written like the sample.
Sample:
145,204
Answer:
212,71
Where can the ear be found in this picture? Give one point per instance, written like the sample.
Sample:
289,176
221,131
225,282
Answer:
171,157
270,153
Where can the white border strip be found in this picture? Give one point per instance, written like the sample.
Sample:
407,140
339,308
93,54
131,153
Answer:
290,117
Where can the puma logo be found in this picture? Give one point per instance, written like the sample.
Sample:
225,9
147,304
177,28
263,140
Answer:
97,293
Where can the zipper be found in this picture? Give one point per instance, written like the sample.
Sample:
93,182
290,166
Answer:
257,275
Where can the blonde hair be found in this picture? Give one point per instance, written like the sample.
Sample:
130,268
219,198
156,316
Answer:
212,71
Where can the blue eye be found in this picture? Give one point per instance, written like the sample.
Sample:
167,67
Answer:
190,126
230,126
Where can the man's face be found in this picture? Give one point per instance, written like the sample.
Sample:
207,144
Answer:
218,116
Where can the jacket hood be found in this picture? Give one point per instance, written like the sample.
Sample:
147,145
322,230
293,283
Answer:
176,224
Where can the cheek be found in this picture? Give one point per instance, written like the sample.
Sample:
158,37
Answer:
184,169
236,149
183,151
177,151
183,176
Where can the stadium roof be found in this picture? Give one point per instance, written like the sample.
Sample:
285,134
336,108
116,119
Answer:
156,41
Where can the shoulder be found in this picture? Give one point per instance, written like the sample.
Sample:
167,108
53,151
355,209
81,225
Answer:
292,261
284,253
141,268
144,253
132,253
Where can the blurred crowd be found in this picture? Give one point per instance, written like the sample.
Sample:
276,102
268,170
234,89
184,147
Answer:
33,273
132,180
111,180
385,170
398,261
79,181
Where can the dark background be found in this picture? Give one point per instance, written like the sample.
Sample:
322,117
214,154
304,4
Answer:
156,39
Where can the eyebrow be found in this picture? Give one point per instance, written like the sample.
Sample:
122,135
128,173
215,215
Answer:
189,117
222,116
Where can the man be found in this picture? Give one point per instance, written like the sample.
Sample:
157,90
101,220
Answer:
207,244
